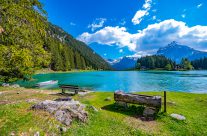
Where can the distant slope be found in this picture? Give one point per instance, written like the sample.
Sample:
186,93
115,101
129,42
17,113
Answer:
123,63
176,52
90,58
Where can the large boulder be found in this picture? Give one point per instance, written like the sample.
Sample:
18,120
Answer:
64,110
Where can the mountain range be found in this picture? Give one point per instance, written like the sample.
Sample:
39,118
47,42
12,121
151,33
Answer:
176,52
173,51
123,63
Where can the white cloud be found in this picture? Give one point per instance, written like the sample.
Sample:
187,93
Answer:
183,15
139,54
98,23
110,36
154,36
121,50
154,18
138,17
199,5
72,24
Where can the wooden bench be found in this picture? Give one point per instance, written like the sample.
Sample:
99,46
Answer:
74,88
149,101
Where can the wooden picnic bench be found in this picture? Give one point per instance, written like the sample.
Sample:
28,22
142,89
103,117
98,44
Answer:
74,88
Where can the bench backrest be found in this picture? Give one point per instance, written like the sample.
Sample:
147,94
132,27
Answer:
69,87
153,101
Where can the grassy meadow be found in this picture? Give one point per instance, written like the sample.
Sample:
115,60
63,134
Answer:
17,118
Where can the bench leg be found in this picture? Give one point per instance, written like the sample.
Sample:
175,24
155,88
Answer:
63,91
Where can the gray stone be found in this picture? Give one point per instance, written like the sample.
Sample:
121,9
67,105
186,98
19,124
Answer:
171,103
15,86
37,133
63,129
64,99
177,116
5,85
149,112
63,111
108,99
1,93
63,117
94,108
12,134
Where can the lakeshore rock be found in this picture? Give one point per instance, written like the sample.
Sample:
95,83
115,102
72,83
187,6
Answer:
64,111
5,85
15,86
177,116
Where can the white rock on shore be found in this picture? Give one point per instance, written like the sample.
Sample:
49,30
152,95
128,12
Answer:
5,85
177,116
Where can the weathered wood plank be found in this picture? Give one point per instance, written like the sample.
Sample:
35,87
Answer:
152,101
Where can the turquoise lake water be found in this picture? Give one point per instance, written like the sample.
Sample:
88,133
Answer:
129,81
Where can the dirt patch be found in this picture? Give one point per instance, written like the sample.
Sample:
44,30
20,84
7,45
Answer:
147,126
2,102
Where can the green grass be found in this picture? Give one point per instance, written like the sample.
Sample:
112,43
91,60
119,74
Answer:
15,116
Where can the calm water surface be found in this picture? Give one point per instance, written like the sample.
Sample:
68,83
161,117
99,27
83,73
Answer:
129,81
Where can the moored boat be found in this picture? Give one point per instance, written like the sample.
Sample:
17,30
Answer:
50,82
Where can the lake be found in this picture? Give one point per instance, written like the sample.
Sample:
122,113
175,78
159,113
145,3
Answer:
128,81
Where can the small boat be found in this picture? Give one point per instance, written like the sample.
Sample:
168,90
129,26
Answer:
50,82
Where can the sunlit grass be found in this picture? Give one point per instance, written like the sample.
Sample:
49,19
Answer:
16,116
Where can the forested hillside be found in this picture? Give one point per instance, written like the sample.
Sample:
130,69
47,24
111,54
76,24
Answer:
28,42
163,63
78,53
200,63
154,62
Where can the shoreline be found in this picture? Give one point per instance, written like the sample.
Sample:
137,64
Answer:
47,71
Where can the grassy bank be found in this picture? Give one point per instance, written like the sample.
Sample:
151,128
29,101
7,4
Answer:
16,117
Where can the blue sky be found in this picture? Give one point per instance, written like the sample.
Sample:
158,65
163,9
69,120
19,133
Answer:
116,28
